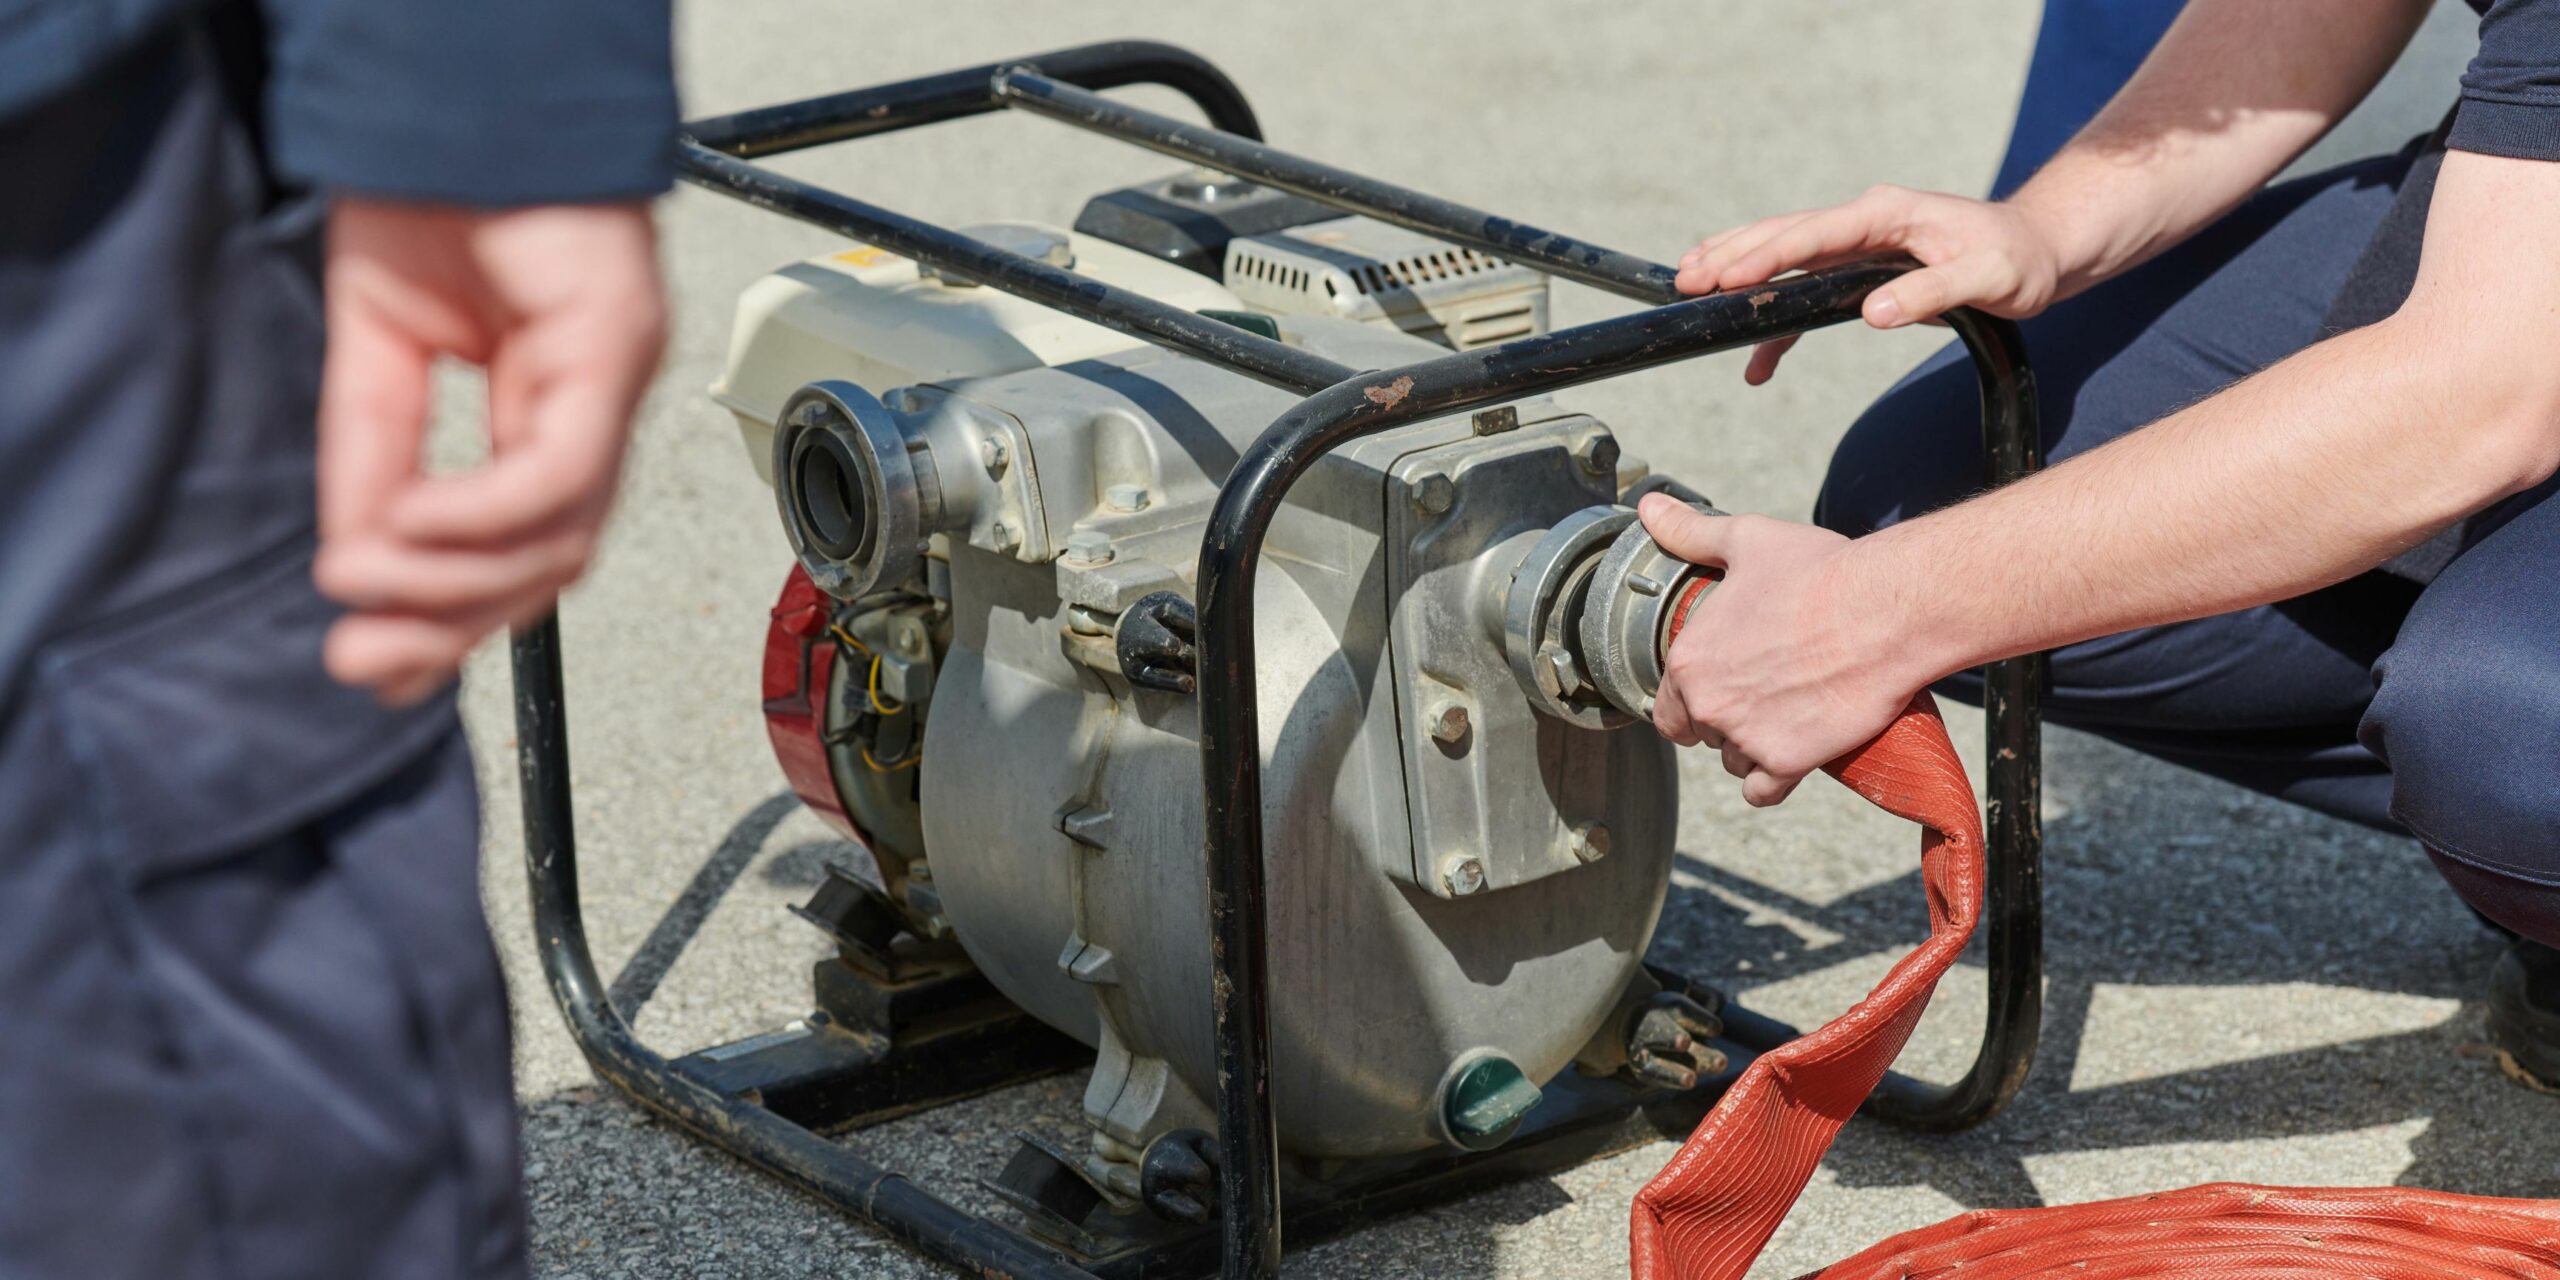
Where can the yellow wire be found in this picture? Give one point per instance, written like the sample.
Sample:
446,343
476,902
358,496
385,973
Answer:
872,692
876,704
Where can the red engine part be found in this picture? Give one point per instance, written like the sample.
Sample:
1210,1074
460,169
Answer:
799,664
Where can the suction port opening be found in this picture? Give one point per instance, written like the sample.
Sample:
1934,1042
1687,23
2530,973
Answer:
834,504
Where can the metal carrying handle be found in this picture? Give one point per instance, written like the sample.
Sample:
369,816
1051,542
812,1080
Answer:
1341,405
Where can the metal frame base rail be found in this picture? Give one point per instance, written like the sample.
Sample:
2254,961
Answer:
768,1100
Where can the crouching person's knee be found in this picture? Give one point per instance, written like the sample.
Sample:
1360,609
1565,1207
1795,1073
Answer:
2467,716
1917,448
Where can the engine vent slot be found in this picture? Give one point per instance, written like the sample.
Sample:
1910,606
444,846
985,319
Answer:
1365,270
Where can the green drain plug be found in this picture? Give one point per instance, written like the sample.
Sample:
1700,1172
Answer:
1485,1103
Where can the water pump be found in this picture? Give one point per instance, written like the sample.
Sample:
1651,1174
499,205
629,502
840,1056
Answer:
1460,633
1259,734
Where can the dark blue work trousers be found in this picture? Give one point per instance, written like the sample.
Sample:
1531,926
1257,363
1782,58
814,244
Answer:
2429,707
251,1024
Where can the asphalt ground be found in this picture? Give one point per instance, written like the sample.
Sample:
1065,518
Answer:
2238,990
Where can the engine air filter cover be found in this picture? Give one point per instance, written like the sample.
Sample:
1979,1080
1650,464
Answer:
1362,269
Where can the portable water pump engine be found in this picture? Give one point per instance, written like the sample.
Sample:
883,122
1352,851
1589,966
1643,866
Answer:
1423,612
1249,726
1462,615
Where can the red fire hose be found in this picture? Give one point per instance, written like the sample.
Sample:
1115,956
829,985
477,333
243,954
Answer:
1711,1209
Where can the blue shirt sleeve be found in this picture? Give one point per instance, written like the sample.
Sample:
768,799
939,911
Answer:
2511,93
476,102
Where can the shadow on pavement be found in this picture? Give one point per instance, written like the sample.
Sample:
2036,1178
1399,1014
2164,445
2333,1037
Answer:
657,954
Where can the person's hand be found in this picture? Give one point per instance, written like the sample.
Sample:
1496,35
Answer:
1774,667
562,304
1972,253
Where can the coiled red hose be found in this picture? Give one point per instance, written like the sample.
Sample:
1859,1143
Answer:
1708,1213
2228,1231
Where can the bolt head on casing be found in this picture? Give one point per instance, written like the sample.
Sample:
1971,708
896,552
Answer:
1450,726
1125,497
1089,546
1434,493
1462,874
1598,454
994,457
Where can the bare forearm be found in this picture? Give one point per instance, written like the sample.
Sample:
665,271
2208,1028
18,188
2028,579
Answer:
2318,469
2235,91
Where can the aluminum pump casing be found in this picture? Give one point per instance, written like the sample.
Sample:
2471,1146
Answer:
1436,897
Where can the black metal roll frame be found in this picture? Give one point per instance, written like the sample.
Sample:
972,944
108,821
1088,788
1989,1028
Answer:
1341,405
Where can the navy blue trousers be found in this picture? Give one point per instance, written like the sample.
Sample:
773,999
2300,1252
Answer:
251,1024
2432,708
2085,51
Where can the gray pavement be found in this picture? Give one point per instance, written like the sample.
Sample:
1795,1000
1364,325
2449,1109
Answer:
2238,990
